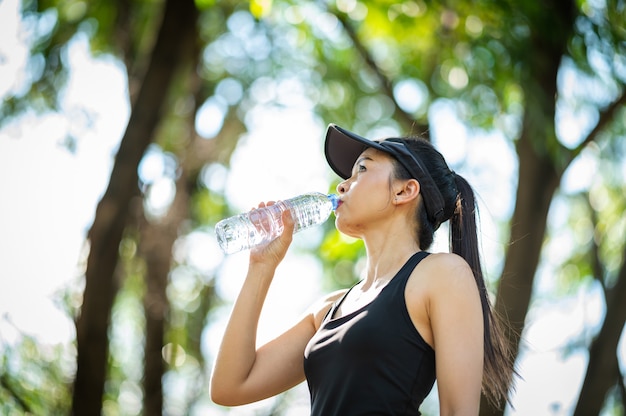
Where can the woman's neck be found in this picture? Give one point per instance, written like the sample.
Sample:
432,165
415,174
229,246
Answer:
386,254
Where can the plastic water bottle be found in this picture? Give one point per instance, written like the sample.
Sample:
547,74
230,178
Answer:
262,225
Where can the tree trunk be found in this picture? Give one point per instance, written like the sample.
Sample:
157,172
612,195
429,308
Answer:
157,240
156,243
540,169
603,368
113,210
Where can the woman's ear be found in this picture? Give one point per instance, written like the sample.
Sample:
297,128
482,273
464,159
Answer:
407,191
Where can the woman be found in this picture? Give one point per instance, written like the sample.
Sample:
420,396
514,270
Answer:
378,347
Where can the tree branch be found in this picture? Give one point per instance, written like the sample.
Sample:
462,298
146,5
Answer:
606,116
5,382
386,84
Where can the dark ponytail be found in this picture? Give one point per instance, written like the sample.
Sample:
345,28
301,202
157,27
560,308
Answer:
460,208
498,360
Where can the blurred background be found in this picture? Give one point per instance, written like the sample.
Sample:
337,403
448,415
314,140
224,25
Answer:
129,128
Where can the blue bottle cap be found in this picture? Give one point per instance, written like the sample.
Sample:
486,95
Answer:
334,199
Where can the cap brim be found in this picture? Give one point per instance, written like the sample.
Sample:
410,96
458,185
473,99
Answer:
342,148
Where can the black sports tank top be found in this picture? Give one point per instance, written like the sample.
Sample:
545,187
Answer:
372,361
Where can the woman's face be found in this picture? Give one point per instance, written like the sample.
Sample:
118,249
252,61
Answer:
367,195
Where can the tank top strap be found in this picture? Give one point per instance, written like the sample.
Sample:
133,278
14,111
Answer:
399,281
336,304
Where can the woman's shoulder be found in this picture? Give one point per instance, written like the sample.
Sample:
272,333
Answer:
446,261
444,269
320,309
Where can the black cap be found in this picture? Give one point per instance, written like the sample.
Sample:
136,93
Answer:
342,148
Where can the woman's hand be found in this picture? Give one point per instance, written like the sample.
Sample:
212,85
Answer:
242,373
272,253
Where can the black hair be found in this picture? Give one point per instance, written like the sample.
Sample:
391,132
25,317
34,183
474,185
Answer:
461,210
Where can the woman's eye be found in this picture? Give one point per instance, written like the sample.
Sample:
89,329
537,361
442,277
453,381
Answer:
361,168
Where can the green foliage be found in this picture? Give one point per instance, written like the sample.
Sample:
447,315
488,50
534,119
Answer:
35,378
610,229
340,255
578,268
260,8
596,224
209,207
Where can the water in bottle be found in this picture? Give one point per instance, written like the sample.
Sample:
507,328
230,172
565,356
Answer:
262,225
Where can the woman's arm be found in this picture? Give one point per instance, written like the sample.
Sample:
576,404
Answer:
456,320
242,373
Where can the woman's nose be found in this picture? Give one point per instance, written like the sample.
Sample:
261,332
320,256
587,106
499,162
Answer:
342,187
